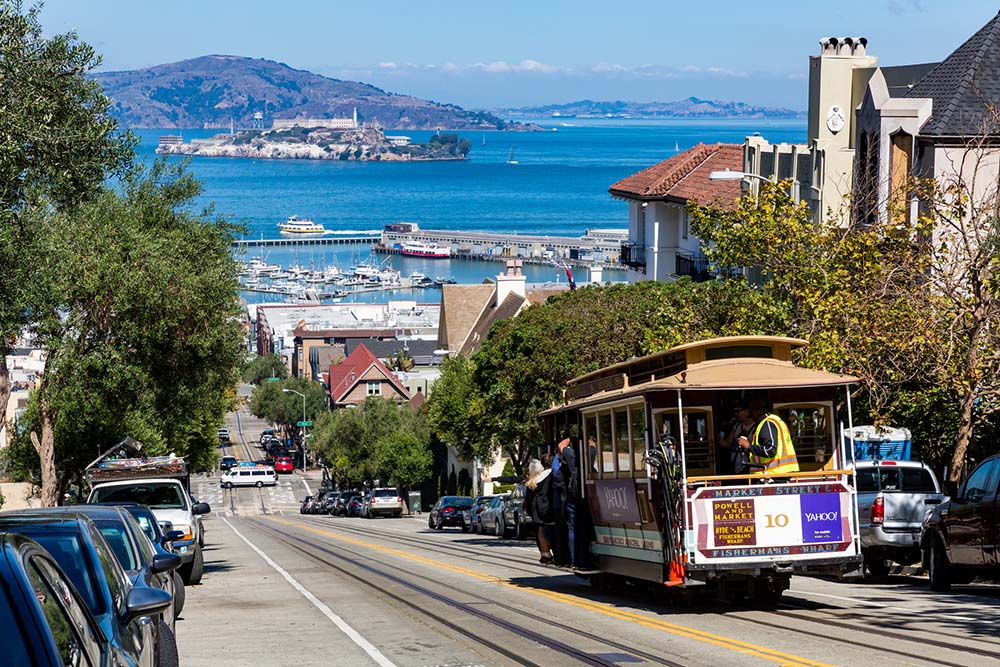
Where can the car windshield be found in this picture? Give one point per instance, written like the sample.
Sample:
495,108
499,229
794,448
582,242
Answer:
157,496
115,534
483,500
68,553
456,501
146,521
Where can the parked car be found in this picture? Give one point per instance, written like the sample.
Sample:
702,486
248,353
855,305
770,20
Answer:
246,476
174,509
223,435
448,511
121,609
491,518
515,520
266,434
228,462
470,522
354,506
960,536
305,504
342,501
384,502
893,497
329,502
46,621
283,465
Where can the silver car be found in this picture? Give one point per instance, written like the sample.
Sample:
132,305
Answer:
383,502
491,518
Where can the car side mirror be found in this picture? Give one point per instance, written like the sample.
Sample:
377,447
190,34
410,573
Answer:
173,535
145,601
951,488
165,562
201,508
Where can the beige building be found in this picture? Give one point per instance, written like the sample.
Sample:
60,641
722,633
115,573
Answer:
309,123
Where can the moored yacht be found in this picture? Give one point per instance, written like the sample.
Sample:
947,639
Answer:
427,250
297,225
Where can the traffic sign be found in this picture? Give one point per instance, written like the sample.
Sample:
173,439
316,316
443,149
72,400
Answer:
304,423
273,379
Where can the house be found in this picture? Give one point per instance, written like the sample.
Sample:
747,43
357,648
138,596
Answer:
360,376
660,245
925,128
423,354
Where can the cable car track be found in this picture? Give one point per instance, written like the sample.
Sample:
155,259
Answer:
310,547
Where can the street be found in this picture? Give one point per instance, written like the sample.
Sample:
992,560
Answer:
318,590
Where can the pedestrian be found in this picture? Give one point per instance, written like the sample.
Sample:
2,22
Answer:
741,425
770,448
565,495
538,504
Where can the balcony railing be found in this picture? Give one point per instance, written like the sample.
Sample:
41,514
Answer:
696,267
633,256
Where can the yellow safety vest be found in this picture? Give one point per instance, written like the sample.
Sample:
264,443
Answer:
784,459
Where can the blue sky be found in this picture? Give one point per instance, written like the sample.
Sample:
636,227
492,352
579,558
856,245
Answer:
513,53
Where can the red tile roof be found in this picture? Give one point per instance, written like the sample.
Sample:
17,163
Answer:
348,373
684,177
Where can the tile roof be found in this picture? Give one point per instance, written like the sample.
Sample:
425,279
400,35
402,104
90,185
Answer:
461,308
348,373
684,177
963,85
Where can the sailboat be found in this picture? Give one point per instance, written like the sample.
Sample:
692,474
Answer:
510,156
677,147
484,140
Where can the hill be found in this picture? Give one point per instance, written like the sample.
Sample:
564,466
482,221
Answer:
212,90
691,107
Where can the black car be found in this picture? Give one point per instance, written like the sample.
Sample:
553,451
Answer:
122,610
342,501
449,511
45,621
228,462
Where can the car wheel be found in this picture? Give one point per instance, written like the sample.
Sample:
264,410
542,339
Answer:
193,571
228,485
465,527
430,523
166,647
260,484
939,571
877,565
439,524
498,528
517,527
179,594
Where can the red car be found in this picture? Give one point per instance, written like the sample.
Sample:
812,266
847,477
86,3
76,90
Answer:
283,464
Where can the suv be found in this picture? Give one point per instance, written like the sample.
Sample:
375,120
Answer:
514,520
385,502
893,497
174,510
223,435
960,536
228,462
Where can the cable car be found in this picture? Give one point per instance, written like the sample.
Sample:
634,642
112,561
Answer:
656,501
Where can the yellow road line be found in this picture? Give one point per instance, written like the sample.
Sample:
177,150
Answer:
590,605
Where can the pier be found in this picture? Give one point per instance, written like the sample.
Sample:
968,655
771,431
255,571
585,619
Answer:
307,241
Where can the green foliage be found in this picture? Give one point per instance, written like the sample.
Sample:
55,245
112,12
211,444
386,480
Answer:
454,410
380,439
271,402
261,368
508,471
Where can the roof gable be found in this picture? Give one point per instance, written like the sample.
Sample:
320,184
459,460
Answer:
461,308
685,177
964,85
506,310
361,365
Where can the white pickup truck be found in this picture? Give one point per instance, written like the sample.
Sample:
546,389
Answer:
161,483
893,497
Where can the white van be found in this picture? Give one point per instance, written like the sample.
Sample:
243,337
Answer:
245,476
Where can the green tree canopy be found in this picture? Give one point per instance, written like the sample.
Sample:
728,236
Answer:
261,368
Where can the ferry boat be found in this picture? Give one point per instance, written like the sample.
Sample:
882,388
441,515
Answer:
296,225
426,250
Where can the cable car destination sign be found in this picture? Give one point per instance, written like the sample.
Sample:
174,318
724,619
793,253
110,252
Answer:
768,521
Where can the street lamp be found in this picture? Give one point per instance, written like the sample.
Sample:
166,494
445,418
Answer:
292,391
730,175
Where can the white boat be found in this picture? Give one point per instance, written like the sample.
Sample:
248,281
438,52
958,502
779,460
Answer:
296,225
427,250
510,156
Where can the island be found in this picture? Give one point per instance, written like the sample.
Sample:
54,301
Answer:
319,143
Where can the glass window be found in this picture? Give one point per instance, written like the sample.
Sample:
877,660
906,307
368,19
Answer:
142,540
70,603
622,440
888,479
67,643
638,423
590,426
606,441
112,574
374,388
918,480
117,538
867,480
66,550
977,485
157,496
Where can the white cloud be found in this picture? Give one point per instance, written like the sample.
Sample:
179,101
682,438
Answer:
608,68
498,66
388,65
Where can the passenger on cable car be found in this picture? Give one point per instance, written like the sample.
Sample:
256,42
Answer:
770,448
741,425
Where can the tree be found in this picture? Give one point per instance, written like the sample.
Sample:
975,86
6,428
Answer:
404,457
271,402
141,336
262,368
58,143
454,409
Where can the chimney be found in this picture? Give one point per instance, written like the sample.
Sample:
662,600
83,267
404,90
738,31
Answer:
860,45
596,274
513,280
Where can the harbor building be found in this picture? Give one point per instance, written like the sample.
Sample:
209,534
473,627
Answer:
308,123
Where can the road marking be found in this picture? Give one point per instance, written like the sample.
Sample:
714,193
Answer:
598,607
911,612
352,634
306,484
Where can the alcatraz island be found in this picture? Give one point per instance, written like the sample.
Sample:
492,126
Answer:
319,139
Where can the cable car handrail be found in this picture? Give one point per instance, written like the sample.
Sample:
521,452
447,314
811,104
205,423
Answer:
816,473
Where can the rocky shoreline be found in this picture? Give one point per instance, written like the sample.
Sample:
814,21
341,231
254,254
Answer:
363,144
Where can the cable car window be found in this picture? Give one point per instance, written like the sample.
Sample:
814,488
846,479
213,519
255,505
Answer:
606,440
590,428
638,439
622,440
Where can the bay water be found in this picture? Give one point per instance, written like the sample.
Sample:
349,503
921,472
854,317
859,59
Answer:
559,186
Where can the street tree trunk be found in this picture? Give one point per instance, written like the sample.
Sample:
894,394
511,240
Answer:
962,436
4,385
45,446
